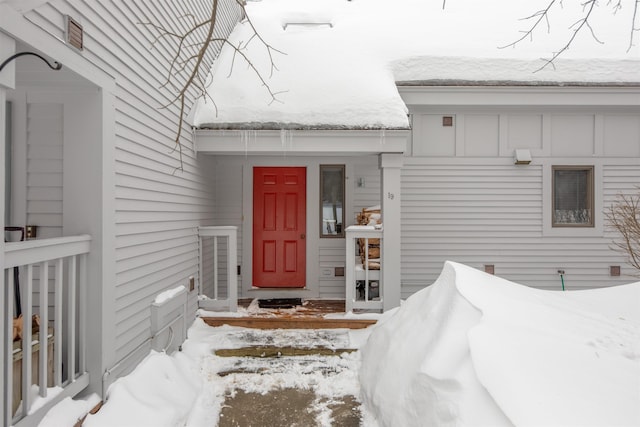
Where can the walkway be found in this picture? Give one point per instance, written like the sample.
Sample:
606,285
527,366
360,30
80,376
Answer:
289,377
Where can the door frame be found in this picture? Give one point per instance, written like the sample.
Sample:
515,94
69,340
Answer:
312,289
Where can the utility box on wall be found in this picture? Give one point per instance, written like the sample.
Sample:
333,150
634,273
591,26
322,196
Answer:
169,320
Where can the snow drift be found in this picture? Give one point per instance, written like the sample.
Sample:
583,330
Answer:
474,349
159,392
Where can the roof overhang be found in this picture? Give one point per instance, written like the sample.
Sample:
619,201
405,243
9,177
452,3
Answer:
301,142
518,94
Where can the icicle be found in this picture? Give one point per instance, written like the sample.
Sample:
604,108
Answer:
244,139
383,138
254,135
286,140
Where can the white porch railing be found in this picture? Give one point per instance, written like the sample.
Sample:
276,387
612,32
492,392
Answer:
217,264
364,287
52,276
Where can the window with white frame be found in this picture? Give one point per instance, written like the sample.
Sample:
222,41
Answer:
573,196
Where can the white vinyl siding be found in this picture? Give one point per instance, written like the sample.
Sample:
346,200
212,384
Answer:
157,208
493,215
44,168
482,209
470,214
44,177
332,255
367,193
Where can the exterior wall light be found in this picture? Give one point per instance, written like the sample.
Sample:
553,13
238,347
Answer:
522,157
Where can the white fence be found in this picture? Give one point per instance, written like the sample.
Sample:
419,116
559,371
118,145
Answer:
218,282
363,275
46,278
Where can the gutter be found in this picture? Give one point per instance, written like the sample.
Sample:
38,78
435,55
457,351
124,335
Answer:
511,83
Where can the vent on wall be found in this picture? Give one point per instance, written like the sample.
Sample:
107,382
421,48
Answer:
74,34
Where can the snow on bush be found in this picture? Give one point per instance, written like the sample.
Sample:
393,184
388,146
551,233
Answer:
474,349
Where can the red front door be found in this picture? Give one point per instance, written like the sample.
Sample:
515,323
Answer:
279,227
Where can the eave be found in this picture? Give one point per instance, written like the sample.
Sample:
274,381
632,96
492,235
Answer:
304,142
467,93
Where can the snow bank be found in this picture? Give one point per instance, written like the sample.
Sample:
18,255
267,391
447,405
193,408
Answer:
159,392
474,349
416,366
69,411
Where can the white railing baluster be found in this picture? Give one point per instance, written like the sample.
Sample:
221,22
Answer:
27,311
200,267
232,277
7,349
215,267
71,321
366,269
44,327
82,314
57,323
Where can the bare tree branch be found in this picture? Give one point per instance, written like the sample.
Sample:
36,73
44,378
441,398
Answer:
188,67
581,25
541,15
624,217
635,24
577,27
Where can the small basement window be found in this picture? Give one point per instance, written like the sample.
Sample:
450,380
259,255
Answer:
331,200
573,196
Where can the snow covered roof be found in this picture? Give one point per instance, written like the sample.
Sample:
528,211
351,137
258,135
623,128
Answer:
338,62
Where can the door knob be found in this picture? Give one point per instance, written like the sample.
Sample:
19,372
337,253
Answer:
302,236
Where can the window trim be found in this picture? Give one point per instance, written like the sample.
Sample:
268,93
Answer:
341,234
591,195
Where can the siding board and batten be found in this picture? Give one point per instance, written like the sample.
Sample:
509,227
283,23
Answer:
465,200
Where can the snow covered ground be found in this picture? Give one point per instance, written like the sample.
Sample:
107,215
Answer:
185,389
470,350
